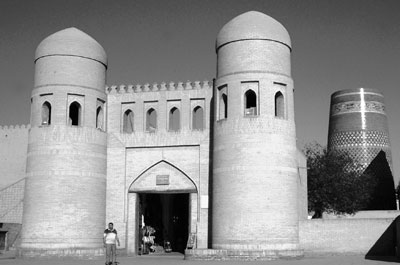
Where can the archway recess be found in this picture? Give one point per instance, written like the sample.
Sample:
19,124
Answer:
163,177
166,181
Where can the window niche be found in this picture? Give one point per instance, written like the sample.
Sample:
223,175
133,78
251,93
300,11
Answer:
279,100
128,122
174,120
151,120
222,102
75,114
198,118
75,109
250,103
279,105
250,90
46,114
100,117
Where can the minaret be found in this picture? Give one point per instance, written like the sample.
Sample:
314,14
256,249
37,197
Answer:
64,204
254,203
358,125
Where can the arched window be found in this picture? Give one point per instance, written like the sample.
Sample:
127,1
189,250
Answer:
151,120
279,105
75,114
250,103
46,113
197,119
223,106
128,122
174,119
99,118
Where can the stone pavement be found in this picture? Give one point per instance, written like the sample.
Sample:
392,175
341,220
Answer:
177,259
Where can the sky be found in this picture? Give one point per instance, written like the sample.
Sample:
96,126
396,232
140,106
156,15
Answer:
337,44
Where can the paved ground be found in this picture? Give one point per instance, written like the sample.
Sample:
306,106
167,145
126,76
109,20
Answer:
178,260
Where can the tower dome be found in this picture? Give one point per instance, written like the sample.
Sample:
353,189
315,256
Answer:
253,25
73,42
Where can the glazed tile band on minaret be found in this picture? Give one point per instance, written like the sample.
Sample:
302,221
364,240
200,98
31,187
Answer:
358,124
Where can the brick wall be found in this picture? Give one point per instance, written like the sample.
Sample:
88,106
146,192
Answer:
139,156
11,203
372,236
14,145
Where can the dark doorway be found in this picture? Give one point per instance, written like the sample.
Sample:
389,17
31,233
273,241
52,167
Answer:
168,214
3,238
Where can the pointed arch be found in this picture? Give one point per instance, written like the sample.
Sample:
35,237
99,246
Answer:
197,118
279,105
174,119
99,118
75,114
250,103
179,180
151,120
128,122
223,106
46,113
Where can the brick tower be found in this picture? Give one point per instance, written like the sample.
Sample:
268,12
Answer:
254,203
64,204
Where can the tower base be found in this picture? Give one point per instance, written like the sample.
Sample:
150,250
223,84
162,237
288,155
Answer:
79,253
237,254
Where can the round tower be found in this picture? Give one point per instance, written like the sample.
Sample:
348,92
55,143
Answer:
64,204
254,203
358,124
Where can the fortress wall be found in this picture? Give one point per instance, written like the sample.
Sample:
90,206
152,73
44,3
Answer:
13,153
129,155
11,202
162,97
372,236
122,170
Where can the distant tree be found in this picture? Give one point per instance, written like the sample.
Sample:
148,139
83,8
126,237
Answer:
336,183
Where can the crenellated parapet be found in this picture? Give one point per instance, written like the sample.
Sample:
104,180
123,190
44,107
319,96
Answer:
15,127
171,86
14,130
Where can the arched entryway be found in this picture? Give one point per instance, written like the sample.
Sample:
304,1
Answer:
164,198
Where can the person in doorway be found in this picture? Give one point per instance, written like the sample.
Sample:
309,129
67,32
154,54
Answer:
110,239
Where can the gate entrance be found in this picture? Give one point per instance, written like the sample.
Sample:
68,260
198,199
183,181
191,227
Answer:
168,214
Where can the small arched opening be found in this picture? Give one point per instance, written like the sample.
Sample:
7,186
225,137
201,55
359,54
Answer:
128,124
75,114
100,118
223,106
46,113
151,120
250,103
174,119
197,118
279,105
